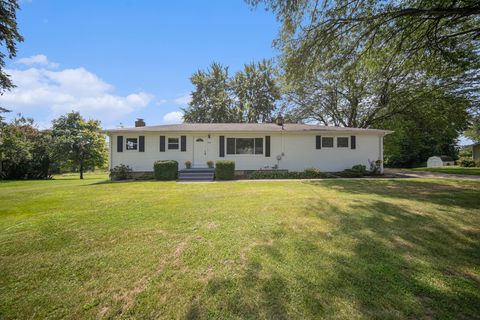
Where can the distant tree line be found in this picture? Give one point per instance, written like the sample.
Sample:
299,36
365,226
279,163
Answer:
73,144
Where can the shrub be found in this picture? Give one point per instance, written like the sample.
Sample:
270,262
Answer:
188,164
165,169
121,172
225,170
360,168
466,162
313,173
210,163
310,173
357,171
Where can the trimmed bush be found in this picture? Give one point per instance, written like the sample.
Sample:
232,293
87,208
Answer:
121,172
225,170
466,162
165,169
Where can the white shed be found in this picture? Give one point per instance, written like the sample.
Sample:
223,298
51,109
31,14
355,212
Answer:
440,161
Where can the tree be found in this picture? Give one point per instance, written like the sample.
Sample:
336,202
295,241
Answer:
256,93
79,142
250,96
24,150
346,62
9,36
211,99
473,131
440,29
430,126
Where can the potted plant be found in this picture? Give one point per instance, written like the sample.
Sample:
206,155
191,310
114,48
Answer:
188,164
210,163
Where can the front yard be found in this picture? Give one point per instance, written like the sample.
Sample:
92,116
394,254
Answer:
249,249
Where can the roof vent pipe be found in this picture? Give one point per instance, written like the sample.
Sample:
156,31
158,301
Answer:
139,123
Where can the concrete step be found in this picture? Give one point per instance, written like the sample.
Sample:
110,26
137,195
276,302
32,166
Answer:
196,174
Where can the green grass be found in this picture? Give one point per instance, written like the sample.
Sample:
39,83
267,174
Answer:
452,170
351,249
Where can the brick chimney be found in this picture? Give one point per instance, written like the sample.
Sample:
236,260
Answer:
139,122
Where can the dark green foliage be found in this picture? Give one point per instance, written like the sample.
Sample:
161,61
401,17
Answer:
9,37
466,162
225,170
24,150
165,169
309,173
429,127
121,172
79,142
250,96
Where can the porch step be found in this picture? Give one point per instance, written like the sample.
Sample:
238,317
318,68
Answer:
196,174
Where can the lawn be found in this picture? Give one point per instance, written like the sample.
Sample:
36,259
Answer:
348,249
452,170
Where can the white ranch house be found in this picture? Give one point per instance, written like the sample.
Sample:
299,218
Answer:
252,146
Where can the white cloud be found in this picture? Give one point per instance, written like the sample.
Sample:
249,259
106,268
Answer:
173,117
37,60
183,100
58,92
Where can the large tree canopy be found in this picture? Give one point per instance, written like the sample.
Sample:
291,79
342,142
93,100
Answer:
78,142
9,36
250,96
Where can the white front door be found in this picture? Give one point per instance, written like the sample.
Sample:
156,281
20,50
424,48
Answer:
200,152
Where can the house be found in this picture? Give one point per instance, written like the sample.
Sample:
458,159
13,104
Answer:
252,146
440,161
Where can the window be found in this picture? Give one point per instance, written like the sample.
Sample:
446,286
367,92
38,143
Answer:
173,144
244,145
132,143
342,142
327,142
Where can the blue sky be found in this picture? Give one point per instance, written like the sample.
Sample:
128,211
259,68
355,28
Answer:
118,60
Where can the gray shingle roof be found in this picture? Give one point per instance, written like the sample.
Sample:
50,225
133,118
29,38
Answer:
242,127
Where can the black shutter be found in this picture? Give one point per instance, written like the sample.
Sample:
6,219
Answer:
141,144
120,144
267,146
318,142
162,143
353,142
183,143
221,153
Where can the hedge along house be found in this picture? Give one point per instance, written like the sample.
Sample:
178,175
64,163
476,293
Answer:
252,146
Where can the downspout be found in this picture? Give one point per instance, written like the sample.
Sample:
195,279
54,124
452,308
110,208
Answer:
380,156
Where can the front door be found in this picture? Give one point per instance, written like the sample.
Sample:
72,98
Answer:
200,152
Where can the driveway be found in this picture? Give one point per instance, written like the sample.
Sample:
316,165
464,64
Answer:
405,173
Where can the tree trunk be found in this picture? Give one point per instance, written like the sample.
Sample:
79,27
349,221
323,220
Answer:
81,170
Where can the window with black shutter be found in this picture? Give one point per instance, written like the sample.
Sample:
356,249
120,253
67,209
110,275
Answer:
141,143
267,146
183,143
162,143
221,147
120,144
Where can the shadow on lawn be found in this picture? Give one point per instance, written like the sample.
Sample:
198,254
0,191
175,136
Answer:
380,260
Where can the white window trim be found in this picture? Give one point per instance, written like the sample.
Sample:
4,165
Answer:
168,145
131,150
244,154
348,143
333,142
